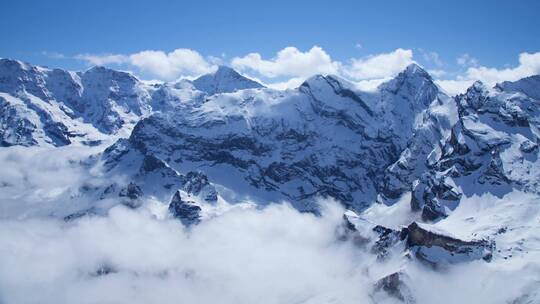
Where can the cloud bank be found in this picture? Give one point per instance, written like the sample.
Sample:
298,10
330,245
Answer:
290,66
274,255
270,255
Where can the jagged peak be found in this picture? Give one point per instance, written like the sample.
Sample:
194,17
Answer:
478,84
224,70
412,77
414,69
477,87
224,80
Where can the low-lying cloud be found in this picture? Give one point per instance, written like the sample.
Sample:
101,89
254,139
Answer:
245,255
275,255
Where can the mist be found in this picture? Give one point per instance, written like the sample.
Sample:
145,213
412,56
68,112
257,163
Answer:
245,255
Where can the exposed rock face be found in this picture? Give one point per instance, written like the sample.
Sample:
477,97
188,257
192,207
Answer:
395,286
79,214
140,175
426,242
187,212
387,238
137,175
377,239
433,113
434,195
196,183
132,191
435,247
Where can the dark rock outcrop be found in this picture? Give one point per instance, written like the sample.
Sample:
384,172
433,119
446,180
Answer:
387,239
187,212
196,183
394,286
132,191
435,247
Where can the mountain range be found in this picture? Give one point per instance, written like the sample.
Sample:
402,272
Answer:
200,146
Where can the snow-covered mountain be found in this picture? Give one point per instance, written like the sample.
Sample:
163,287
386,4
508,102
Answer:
57,107
323,139
51,106
224,80
493,148
406,161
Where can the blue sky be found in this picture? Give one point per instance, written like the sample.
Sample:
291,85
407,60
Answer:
488,34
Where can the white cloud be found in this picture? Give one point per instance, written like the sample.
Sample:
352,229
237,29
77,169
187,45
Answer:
169,66
358,46
103,59
467,60
437,73
291,66
371,84
289,62
236,258
453,86
53,55
432,57
529,64
165,66
379,66
295,66
288,84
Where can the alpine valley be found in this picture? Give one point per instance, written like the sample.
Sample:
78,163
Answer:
430,198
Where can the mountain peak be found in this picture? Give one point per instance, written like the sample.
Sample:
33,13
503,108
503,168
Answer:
478,87
225,70
11,65
528,86
98,69
224,80
414,69
101,73
8,61
413,79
